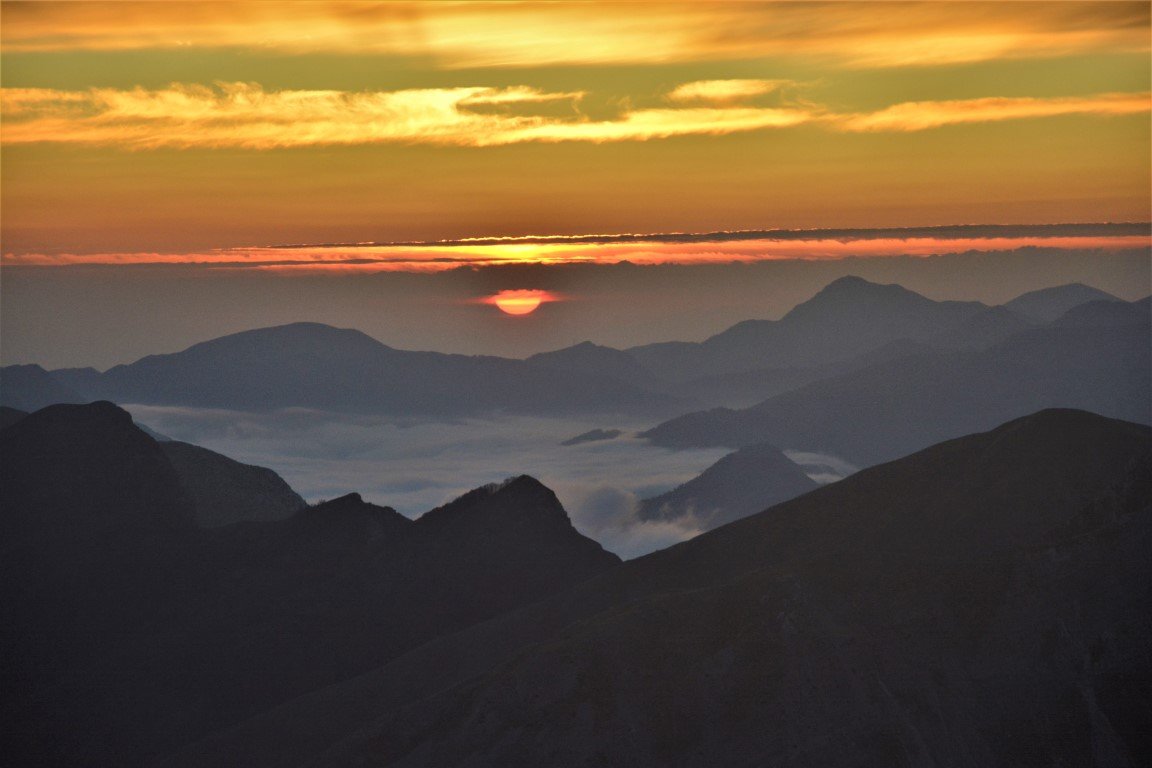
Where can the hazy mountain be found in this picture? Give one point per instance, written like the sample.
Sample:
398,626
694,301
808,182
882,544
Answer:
1108,313
1047,304
982,330
891,409
30,388
128,630
225,491
987,601
846,318
589,358
740,484
740,390
317,366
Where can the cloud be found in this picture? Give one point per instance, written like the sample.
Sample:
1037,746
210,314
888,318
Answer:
244,115
415,466
724,91
924,115
653,248
466,35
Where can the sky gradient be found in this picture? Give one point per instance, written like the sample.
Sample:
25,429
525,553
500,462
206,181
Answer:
132,130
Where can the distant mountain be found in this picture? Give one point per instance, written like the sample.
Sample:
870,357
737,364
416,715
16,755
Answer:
129,630
740,484
982,330
984,602
317,366
1108,313
30,388
589,358
225,491
848,317
891,409
1047,304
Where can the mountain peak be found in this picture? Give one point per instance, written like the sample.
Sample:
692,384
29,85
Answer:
1048,304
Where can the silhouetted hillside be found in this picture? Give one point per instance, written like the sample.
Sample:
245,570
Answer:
9,416
225,491
128,630
740,484
985,602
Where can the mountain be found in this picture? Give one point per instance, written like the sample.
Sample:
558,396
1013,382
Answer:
1047,304
889,410
982,330
129,630
848,317
225,491
589,358
738,485
9,416
1108,313
30,388
984,602
317,366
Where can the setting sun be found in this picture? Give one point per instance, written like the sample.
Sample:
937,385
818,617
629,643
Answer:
519,302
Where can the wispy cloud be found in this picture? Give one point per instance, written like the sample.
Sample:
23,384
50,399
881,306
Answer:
724,91
671,248
245,115
923,115
458,35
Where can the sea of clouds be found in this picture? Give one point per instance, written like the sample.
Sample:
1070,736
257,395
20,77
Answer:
416,466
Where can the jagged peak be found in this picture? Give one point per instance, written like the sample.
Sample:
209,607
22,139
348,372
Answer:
522,491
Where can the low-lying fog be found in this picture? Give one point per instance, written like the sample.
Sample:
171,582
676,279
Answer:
415,466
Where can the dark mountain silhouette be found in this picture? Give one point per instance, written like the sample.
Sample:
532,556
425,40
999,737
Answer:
30,388
1047,304
593,436
317,366
738,485
225,491
128,630
889,410
985,602
846,318
9,416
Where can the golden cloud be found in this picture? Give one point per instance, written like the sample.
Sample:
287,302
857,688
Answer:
724,91
244,115
922,115
457,35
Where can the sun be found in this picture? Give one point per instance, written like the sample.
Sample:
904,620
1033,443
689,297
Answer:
519,302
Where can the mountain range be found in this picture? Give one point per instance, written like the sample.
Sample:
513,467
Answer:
317,366
984,602
848,326
1096,357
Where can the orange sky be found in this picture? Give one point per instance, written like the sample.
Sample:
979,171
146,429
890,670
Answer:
198,131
